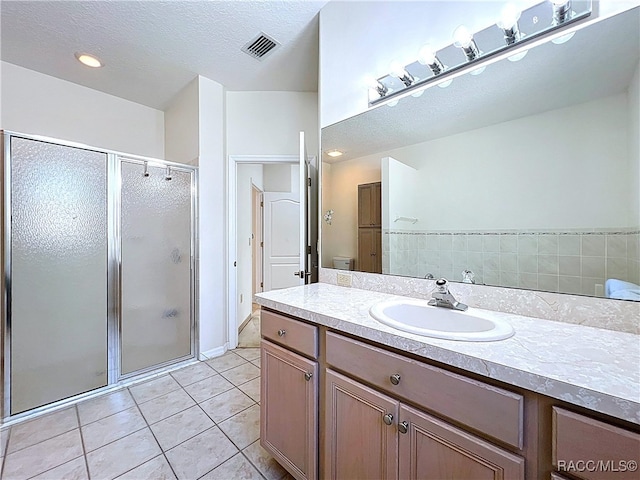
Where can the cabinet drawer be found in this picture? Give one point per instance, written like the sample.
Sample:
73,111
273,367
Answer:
590,449
487,409
293,334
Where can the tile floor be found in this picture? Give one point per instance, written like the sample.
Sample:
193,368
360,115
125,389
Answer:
199,422
249,336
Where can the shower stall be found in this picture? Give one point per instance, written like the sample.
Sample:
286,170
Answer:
99,270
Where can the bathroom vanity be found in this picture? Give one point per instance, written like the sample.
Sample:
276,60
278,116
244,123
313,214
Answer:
346,397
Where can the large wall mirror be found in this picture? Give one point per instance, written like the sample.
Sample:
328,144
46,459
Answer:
526,175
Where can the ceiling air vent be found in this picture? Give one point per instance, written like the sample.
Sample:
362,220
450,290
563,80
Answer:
260,46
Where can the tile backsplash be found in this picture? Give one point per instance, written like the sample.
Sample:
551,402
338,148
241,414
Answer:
577,262
618,315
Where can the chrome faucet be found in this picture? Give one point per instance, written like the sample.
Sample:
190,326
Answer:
441,297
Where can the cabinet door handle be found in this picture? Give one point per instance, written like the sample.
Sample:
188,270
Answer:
388,419
307,376
395,378
403,427
281,333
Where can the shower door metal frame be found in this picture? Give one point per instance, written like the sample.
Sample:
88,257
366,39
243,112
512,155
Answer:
114,377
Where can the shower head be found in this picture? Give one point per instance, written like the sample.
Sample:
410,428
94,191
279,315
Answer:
167,175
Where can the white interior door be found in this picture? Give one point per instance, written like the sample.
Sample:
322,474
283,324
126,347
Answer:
282,234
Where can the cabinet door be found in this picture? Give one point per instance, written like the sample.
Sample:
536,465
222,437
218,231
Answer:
289,410
360,445
370,250
370,205
434,450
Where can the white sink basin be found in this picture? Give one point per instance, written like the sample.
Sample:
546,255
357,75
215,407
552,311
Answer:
416,316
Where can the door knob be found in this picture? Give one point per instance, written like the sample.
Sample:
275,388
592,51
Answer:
281,333
395,378
307,376
388,419
403,427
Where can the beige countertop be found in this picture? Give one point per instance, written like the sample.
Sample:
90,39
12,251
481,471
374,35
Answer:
590,367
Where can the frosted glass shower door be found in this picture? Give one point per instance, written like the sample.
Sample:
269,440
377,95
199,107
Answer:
58,272
156,280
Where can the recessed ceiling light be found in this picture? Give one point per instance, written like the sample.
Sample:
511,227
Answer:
334,153
89,60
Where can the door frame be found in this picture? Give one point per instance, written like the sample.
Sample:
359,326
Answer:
232,230
258,239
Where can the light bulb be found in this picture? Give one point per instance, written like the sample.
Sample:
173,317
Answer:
427,55
89,60
445,84
462,37
477,71
392,103
377,86
397,69
372,82
509,16
417,94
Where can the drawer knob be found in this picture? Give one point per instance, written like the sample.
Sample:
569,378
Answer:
388,419
395,378
281,333
403,427
307,376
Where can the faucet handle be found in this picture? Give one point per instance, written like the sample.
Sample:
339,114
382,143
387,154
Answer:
441,285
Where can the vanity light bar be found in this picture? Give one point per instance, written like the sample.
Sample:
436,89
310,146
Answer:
540,18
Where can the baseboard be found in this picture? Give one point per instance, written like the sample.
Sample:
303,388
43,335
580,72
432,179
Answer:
244,322
214,352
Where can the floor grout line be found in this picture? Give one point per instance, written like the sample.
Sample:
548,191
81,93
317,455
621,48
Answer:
137,404
156,439
84,448
6,453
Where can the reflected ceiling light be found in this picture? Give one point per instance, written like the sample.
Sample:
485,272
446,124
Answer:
335,153
508,23
89,60
561,11
427,56
377,86
463,39
397,70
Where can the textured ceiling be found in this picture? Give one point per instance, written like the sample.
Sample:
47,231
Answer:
152,49
598,61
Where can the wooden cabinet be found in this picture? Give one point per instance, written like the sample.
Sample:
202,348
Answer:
370,205
384,415
431,449
361,435
593,450
369,228
370,250
289,410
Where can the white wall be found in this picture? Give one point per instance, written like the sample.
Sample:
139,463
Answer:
341,237
212,219
43,105
268,123
400,186
246,176
633,100
181,120
282,178
360,39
